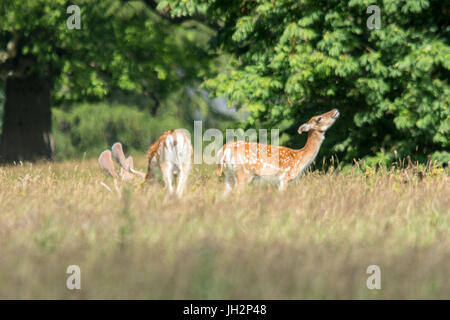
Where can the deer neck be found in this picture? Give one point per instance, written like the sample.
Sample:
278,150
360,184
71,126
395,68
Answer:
308,153
312,146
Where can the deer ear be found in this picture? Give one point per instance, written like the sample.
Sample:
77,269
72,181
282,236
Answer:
304,128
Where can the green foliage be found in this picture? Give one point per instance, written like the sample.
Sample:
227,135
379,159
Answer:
125,54
298,58
120,46
86,130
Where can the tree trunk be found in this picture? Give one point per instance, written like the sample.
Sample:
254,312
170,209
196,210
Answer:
27,120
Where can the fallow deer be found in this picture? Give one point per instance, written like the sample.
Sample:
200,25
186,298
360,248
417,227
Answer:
127,171
171,156
241,161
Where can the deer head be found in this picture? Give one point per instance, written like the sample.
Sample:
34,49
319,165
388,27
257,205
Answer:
320,123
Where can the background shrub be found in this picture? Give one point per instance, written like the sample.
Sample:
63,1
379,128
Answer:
86,130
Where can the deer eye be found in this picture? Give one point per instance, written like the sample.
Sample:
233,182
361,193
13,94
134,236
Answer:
319,119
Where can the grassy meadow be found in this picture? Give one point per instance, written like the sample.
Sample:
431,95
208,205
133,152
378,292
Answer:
314,241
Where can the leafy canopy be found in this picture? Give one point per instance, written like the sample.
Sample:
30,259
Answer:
295,58
122,45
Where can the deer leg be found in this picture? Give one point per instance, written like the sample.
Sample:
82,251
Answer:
242,178
230,181
148,177
283,184
166,170
182,179
228,184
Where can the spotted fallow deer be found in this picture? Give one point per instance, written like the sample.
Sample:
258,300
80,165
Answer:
241,161
171,156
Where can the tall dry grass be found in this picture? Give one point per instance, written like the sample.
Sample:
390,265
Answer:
315,240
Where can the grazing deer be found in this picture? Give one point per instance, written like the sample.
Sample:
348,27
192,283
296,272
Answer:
171,156
240,161
127,170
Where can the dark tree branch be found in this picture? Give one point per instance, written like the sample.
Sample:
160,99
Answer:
6,58
155,99
152,4
12,62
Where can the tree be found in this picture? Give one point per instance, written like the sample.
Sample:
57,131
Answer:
294,58
124,46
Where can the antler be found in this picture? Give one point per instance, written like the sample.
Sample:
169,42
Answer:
106,163
131,167
127,165
117,153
